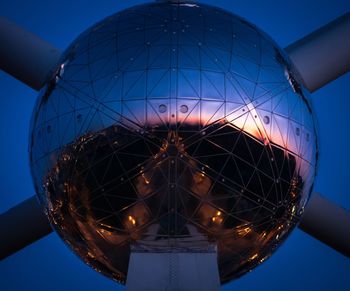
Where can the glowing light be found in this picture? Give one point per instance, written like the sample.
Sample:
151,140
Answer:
104,232
253,257
244,231
217,218
145,179
132,220
263,259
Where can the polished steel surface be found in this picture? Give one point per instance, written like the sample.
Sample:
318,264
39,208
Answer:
173,126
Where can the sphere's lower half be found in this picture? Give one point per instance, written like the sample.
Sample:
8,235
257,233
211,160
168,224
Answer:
173,126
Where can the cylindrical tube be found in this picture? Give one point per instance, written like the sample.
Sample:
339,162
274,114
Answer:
25,56
328,223
21,226
323,55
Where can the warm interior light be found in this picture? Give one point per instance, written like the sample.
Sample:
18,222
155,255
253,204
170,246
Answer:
145,179
244,231
253,257
217,218
132,220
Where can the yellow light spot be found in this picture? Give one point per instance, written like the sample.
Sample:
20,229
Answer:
145,179
91,255
132,220
253,257
244,231
217,218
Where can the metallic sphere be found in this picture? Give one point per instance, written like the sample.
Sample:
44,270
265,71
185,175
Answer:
173,126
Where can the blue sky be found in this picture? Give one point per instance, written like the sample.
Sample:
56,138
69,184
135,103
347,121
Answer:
301,263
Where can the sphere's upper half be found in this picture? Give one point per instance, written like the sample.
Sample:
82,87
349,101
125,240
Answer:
173,126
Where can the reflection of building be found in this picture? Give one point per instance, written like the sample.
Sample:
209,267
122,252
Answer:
175,190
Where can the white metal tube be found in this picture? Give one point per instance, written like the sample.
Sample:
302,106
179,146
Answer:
25,56
323,55
328,223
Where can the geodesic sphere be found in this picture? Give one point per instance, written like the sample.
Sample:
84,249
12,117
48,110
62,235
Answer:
173,126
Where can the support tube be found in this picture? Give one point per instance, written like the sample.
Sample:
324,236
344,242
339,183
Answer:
328,223
323,55
25,56
22,225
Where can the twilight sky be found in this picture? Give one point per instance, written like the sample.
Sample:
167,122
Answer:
302,263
